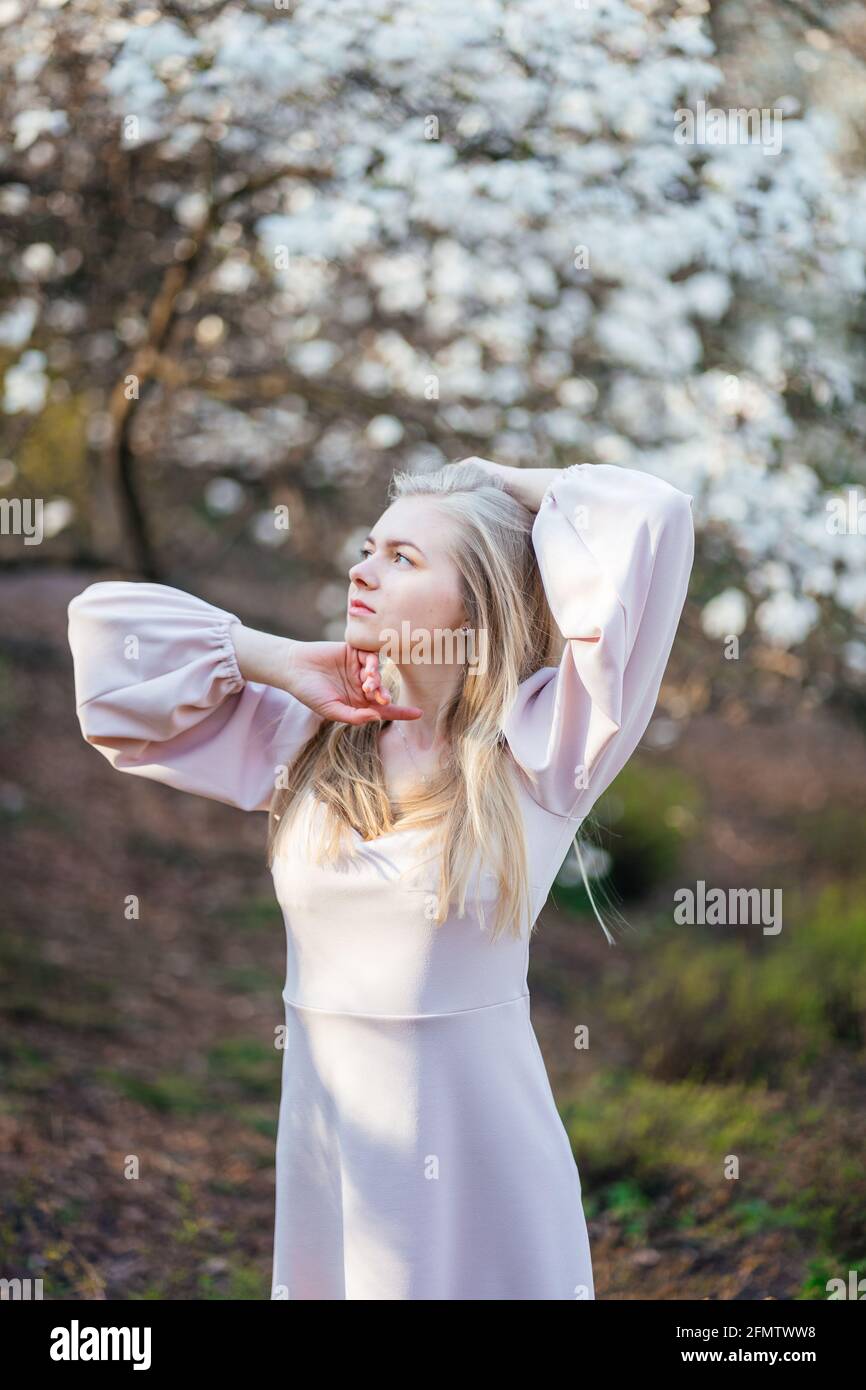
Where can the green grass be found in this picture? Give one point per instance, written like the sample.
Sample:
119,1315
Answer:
835,834
817,1284
246,1065
702,1010
171,1093
36,990
10,704
625,1127
242,979
642,822
239,1071
724,1053
255,915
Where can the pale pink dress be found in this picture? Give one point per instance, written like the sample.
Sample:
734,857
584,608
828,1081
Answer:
420,1153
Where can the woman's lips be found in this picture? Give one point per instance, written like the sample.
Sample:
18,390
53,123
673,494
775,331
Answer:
362,607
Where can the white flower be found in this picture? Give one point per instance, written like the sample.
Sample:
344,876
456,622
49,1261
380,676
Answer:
725,615
17,322
223,496
786,620
384,431
29,125
26,385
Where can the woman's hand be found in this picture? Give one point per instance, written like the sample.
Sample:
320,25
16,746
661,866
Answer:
335,680
525,485
342,682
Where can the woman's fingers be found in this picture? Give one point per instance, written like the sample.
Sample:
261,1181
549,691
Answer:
359,672
373,684
366,677
362,664
370,677
349,714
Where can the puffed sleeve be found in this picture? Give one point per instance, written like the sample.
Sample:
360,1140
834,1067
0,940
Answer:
159,692
615,548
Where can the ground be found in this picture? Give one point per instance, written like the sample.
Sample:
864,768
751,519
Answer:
138,1048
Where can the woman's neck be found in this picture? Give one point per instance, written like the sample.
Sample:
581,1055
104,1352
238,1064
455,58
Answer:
431,689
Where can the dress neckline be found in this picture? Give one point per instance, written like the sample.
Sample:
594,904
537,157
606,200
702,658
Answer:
398,830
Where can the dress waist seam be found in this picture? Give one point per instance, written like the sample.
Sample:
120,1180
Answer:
450,1013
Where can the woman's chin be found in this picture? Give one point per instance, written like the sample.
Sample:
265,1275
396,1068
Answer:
361,633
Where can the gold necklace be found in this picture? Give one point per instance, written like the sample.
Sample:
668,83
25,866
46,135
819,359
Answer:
424,779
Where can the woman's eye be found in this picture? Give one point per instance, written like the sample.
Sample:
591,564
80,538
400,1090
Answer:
398,555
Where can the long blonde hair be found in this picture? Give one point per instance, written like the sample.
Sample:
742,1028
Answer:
470,805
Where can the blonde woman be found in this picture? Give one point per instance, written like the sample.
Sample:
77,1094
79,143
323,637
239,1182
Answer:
506,635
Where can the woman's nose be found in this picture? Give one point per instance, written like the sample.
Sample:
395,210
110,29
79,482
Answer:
360,574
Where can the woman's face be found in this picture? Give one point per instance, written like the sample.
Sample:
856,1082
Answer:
404,575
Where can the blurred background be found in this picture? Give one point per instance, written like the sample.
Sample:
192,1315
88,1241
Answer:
255,259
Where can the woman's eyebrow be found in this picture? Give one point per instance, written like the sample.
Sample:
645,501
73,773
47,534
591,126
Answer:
389,545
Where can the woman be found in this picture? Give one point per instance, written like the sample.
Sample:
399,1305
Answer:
422,796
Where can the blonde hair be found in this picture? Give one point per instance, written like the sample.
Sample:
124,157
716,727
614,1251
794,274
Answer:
470,805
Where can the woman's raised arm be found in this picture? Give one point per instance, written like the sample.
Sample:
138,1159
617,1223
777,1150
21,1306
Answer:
159,692
172,688
615,548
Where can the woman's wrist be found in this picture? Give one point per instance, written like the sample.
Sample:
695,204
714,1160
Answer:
525,485
262,656
528,485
